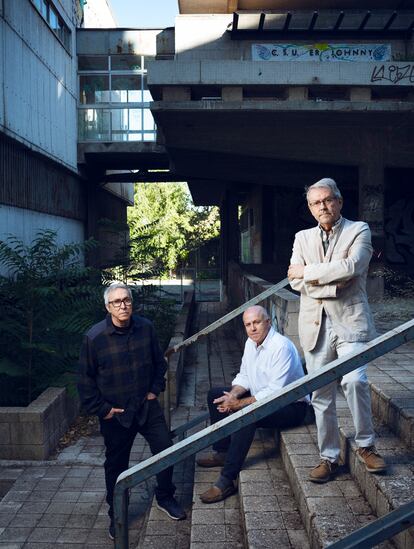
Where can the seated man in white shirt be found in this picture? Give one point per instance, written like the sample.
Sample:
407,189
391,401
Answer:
270,361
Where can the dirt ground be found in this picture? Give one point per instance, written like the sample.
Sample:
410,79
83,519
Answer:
390,312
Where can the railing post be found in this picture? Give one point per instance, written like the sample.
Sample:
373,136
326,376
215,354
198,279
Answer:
121,517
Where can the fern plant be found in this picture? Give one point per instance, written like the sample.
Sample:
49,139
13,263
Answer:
48,300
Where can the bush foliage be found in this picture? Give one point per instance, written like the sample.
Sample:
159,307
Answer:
49,300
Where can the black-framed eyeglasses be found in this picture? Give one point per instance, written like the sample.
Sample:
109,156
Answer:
117,303
326,202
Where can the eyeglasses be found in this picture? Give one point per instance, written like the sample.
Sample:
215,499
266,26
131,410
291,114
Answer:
117,303
326,202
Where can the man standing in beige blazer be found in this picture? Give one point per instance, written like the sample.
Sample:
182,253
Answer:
329,268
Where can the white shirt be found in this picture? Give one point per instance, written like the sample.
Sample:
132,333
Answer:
268,367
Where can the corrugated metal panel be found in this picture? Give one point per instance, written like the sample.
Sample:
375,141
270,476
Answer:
1,74
39,83
24,224
28,180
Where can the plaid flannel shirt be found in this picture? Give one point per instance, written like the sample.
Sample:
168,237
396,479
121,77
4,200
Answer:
117,370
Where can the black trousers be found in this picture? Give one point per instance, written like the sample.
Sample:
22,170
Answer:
238,444
118,443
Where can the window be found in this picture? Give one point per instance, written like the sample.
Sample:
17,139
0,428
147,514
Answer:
126,89
126,63
92,62
114,99
94,89
50,14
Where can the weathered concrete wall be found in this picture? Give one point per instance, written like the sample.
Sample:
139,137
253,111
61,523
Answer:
205,36
38,95
33,432
176,360
283,307
118,41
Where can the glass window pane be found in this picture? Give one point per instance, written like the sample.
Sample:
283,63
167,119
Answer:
149,123
135,137
125,121
126,89
53,19
92,62
150,136
94,124
43,9
94,89
135,119
125,62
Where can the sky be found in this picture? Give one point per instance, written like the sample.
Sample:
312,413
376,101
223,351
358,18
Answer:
145,13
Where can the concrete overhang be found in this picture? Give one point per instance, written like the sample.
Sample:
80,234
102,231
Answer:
261,73
244,142
123,155
229,6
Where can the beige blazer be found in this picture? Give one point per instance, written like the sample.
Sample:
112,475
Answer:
347,259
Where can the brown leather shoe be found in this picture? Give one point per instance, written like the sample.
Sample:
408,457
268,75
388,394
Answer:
373,462
323,472
214,494
213,460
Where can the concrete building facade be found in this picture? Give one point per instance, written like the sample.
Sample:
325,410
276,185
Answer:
264,97
41,186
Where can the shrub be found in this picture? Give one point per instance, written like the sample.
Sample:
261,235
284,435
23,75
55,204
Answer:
48,300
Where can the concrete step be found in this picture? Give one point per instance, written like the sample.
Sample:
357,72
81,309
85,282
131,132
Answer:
384,492
159,531
329,511
216,524
271,516
263,513
392,391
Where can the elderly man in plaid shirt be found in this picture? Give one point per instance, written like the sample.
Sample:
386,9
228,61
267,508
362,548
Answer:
122,372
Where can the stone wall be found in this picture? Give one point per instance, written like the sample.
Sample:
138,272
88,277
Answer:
169,399
283,307
32,432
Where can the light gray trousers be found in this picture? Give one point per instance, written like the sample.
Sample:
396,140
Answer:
356,389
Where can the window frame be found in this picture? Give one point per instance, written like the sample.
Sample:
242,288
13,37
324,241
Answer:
63,33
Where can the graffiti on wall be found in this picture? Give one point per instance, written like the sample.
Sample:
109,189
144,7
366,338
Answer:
393,74
399,231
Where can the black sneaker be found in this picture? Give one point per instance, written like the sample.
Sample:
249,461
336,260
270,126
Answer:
111,531
172,508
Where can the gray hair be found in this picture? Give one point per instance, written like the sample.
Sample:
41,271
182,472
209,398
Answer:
116,286
325,183
259,308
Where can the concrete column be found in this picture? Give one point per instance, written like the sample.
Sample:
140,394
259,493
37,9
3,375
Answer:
267,224
371,200
360,94
232,93
93,256
298,93
230,234
176,93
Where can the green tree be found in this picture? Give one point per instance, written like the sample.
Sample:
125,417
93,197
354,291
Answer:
165,226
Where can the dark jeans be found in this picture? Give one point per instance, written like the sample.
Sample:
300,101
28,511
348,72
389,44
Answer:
118,443
237,446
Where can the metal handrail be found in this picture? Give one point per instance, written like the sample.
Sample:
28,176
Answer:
229,316
379,530
251,414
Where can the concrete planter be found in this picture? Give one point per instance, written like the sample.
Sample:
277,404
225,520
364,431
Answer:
32,432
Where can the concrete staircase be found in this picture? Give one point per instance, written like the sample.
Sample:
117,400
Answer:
276,506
